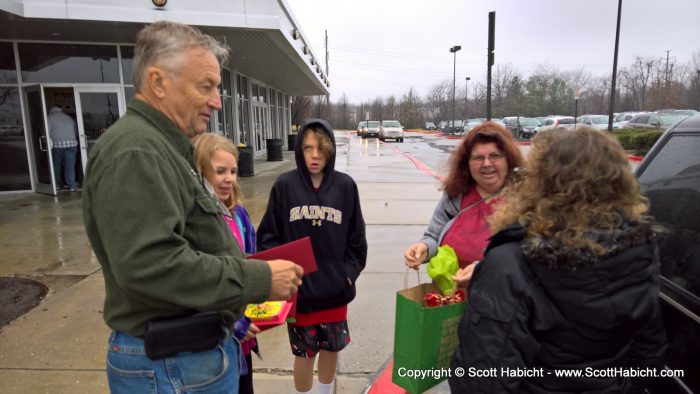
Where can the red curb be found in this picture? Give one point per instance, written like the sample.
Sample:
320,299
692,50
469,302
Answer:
419,164
384,385
635,158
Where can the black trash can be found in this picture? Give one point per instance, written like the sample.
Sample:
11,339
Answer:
245,161
291,141
274,149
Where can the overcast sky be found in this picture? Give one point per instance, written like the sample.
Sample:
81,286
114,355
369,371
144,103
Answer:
383,47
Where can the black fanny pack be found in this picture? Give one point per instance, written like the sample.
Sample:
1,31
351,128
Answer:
192,333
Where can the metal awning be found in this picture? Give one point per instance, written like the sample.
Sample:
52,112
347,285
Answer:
262,45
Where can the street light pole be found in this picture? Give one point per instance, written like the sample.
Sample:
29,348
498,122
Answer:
466,96
454,50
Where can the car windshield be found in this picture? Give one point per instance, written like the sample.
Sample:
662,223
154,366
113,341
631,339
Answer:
391,124
566,121
671,119
373,124
529,122
429,124
599,119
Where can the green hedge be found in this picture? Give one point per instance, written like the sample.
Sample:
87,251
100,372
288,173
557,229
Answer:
640,140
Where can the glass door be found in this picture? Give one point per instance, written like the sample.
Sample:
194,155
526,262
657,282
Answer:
259,128
42,170
97,108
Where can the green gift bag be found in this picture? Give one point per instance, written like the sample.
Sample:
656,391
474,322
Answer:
424,339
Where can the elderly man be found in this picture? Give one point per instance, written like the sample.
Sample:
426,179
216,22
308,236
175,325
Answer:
175,278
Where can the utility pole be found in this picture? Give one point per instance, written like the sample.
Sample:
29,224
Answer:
491,48
466,96
454,50
611,111
328,96
666,72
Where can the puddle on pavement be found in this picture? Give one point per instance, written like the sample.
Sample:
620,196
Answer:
18,296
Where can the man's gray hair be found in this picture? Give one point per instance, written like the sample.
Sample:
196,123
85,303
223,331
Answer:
163,43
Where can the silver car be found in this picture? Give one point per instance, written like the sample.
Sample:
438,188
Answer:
391,129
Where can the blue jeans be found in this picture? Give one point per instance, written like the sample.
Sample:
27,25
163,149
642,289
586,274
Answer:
129,370
65,157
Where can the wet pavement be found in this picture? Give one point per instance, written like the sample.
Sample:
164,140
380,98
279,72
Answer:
59,346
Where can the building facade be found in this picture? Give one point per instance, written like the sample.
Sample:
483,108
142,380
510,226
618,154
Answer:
78,55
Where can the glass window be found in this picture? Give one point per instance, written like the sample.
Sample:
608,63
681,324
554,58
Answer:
671,182
273,97
8,71
243,112
128,64
242,87
14,173
68,63
128,93
226,82
255,93
228,116
263,95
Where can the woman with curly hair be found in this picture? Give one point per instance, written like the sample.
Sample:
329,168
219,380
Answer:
480,168
569,280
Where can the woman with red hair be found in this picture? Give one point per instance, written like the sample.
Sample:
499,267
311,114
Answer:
480,168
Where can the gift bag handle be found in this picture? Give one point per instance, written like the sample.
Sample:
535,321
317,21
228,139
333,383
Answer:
405,277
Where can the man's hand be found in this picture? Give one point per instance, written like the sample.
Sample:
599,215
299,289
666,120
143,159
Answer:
415,255
286,279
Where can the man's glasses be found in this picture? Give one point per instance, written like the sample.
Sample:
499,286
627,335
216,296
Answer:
493,157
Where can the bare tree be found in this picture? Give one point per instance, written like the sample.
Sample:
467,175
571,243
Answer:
341,112
636,79
377,109
301,108
437,100
411,116
694,83
391,110
505,99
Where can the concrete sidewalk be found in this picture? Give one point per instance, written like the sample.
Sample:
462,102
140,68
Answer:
59,346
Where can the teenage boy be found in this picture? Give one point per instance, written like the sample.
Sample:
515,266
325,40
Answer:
317,201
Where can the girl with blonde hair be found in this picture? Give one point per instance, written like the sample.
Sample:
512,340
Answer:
216,160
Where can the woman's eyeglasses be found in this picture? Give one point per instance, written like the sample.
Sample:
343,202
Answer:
493,157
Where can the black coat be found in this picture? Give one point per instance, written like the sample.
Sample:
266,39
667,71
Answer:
331,216
536,304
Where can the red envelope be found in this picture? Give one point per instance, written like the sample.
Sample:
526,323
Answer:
300,252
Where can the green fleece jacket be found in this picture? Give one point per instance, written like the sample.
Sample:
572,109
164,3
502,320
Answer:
163,246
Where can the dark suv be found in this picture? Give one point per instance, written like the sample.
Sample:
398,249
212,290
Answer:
670,178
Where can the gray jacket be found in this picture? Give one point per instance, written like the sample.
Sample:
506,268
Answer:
445,211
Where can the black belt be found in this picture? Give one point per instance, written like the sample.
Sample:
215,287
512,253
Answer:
192,333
